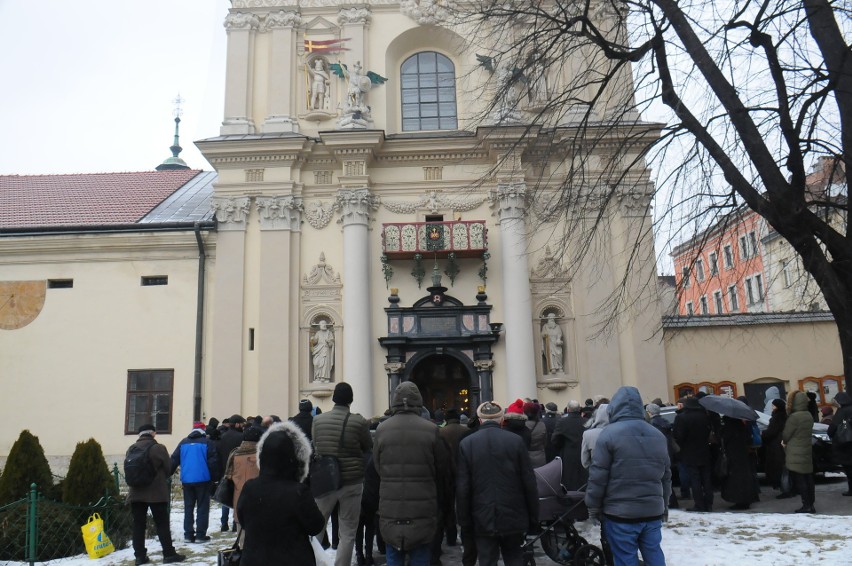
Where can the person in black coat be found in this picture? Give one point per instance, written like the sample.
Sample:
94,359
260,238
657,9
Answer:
304,419
692,432
228,441
568,443
550,418
277,511
738,485
367,531
842,454
773,452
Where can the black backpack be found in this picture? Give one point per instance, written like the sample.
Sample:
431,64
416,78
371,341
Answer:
138,468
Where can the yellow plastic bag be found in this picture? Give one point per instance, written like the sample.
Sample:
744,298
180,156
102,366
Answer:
97,541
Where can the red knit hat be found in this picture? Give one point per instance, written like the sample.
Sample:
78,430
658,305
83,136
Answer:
516,407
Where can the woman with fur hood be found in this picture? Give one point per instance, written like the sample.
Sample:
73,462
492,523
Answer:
277,511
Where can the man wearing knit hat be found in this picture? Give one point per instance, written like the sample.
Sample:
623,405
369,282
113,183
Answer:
499,515
154,495
346,436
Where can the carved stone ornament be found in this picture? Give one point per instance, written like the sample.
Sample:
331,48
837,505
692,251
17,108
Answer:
263,3
355,205
231,210
434,201
321,273
241,20
426,12
548,267
635,202
319,214
279,212
394,367
281,20
354,16
483,365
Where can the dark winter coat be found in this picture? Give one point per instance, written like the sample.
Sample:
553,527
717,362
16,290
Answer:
228,441
197,457
158,490
326,430
630,477
372,485
842,455
452,433
738,486
797,434
568,443
517,423
304,420
496,490
538,439
692,433
276,509
549,420
773,452
411,459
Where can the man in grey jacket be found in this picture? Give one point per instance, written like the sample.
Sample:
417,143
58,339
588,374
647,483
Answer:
630,482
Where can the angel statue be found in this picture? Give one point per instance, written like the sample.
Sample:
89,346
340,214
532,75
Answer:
359,84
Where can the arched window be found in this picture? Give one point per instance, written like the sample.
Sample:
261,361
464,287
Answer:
428,92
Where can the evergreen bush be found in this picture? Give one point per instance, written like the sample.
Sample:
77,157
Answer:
25,465
88,477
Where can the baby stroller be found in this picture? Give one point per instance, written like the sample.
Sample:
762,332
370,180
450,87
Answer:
557,511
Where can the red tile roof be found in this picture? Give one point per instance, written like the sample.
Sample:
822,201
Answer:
84,199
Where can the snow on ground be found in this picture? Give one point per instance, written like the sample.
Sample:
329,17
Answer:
689,539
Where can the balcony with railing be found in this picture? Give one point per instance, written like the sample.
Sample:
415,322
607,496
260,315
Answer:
463,238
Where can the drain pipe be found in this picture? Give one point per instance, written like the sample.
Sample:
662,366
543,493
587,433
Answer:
199,327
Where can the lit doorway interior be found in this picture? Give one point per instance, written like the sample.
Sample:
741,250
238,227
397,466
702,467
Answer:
444,382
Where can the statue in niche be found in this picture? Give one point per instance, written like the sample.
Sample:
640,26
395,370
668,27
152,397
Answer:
552,342
320,80
322,352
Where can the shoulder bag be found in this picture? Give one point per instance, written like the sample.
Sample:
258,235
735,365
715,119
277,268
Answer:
325,473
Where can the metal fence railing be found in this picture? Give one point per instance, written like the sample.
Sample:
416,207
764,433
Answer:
37,529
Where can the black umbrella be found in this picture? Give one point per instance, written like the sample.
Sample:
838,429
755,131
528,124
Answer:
728,406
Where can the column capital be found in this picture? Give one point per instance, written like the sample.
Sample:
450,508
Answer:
231,212
355,206
279,213
241,21
282,20
510,199
635,202
348,16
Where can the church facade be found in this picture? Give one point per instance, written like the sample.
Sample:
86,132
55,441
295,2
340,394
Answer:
375,224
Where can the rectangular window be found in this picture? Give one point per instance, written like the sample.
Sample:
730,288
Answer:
251,340
150,280
704,309
785,271
714,264
60,283
729,257
758,283
717,298
149,399
733,299
743,247
752,243
685,272
699,270
689,310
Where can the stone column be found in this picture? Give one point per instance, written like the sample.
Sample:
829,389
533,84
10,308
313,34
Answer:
517,298
224,396
355,206
282,75
279,219
239,73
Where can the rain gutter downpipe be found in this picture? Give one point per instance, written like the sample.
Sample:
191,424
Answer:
199,327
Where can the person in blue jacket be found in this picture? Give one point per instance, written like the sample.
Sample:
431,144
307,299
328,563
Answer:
199,469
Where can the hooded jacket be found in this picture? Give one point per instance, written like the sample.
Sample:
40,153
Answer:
197,457
599,420
276,509
842,454
412,460
797,436
770,395
630,476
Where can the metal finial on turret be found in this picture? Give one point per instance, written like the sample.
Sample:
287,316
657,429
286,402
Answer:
175,162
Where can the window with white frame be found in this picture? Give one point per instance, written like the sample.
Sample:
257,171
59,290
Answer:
714,263
719,304
729,256
758,283
744,247
703,301
785,272
699,269
752,244
754,289
689,309
428,83
733,299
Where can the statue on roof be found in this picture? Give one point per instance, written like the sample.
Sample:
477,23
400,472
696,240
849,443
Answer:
356,112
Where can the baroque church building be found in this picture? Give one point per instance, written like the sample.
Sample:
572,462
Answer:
370,220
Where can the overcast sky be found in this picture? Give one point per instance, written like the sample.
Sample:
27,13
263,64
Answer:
87,86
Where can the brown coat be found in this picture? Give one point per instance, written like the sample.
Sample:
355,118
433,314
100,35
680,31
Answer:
242,467
158,490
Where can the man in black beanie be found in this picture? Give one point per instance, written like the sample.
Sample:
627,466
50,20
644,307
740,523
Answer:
346,436
304,419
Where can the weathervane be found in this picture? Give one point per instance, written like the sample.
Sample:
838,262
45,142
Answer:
177,113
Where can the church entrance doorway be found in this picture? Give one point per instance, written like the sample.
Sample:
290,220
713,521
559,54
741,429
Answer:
444,382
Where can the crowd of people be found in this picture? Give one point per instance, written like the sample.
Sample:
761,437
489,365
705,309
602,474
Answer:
412,480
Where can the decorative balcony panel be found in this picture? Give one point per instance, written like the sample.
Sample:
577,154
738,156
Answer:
465,238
